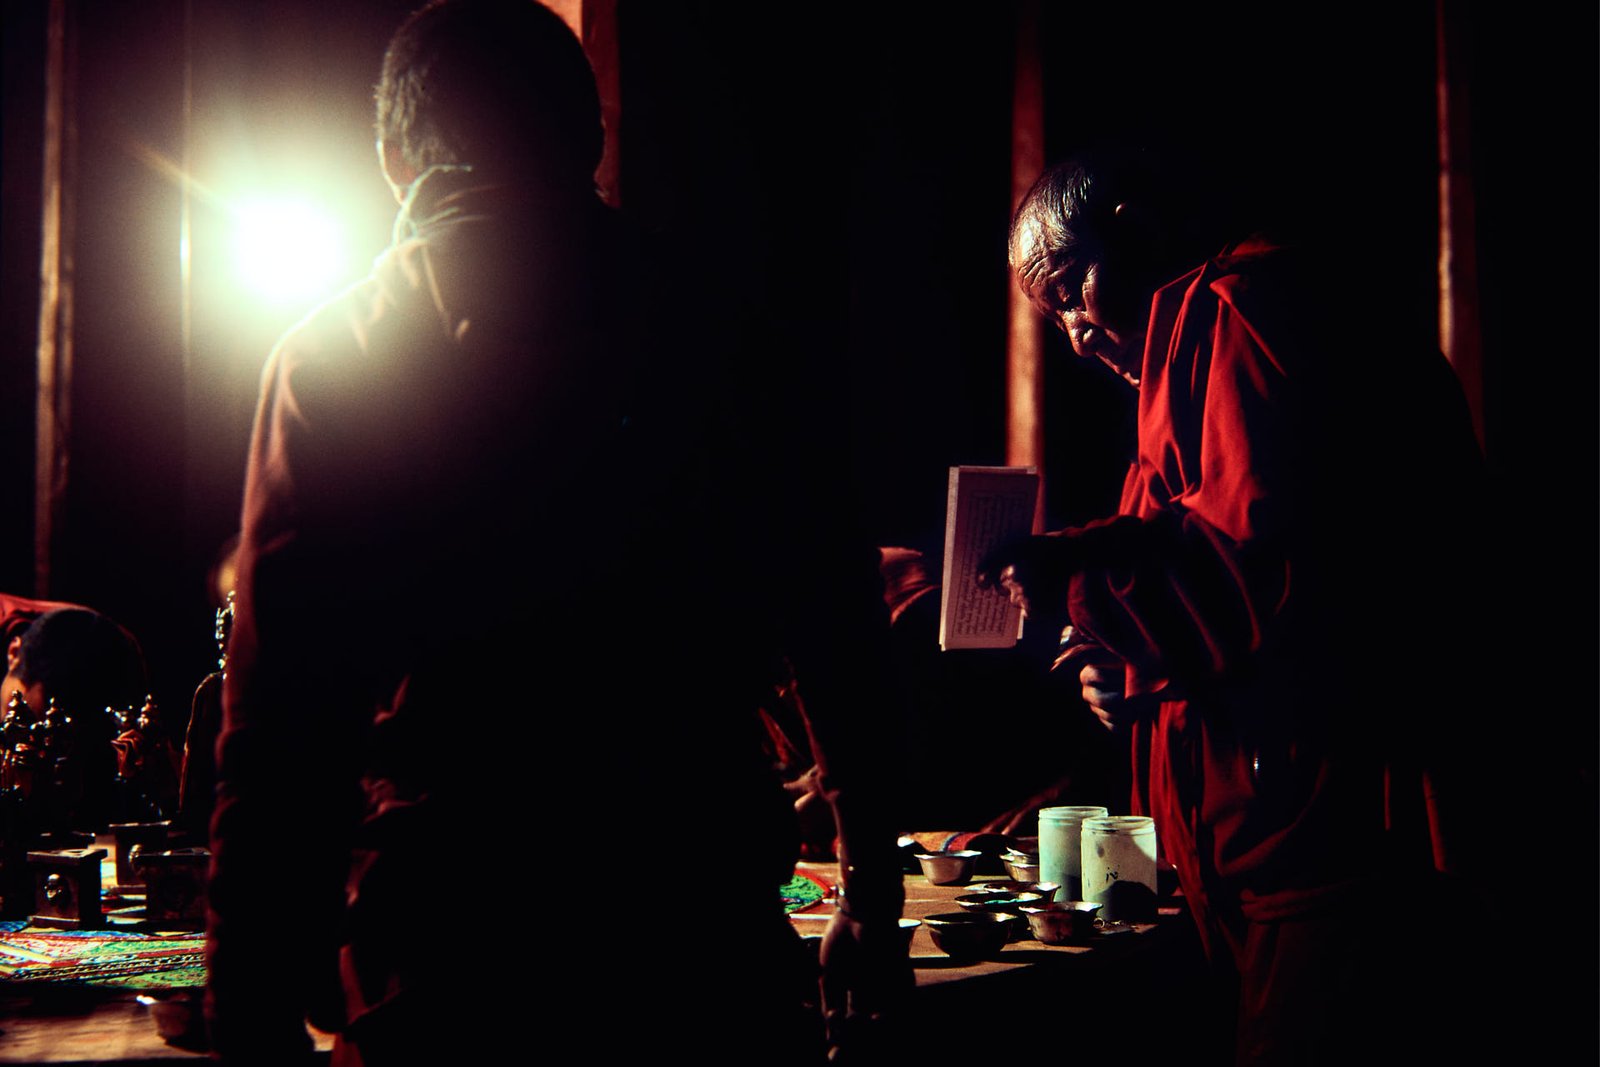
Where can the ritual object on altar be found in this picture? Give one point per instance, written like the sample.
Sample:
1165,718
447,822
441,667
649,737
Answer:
67,887
175,883
1006,902
971,935
948,868
1062,922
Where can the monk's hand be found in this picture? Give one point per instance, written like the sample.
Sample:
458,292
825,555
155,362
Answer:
1103,682
1034,572
866,978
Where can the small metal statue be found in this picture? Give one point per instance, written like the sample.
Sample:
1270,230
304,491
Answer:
147,779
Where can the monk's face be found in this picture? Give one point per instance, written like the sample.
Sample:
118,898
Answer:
1089,296
1082,299
32,692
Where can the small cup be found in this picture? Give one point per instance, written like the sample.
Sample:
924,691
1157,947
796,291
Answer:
948,868
970,935
1021,867
1006,902
1008,886
1064,922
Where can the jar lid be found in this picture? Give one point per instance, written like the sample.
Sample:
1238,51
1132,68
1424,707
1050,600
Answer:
1071,812
1121,824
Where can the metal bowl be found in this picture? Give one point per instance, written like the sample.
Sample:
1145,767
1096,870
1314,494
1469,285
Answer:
908,930
1010,886
948,868
1008,902
970,935
1021,867
1063,922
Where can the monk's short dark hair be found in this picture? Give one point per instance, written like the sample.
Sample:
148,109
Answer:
1056,216
500,85
83,660
1072,207
1075,210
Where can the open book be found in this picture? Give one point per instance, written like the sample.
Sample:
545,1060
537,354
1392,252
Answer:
987,507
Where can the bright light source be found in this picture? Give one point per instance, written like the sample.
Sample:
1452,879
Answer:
288,251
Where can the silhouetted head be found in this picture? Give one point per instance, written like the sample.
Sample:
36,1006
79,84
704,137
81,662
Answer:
500,85
80,658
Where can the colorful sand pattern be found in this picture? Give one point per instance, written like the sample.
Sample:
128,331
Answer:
804,891
121,959
129,960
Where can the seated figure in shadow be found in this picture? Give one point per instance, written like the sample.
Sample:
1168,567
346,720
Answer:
71,674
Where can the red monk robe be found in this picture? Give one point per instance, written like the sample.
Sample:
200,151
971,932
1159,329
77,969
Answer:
17,614
1284,580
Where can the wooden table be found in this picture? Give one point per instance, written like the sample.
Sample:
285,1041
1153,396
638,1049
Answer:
1064,1003
934,967
90,1026
1031,998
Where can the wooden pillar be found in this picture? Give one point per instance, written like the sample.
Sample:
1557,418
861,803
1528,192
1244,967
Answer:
54,355
1459,332
1025,327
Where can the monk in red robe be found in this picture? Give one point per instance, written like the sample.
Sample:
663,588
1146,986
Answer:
1297,511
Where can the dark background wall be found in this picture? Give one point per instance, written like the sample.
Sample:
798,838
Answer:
844,174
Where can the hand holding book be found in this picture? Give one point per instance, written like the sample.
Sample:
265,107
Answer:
988,507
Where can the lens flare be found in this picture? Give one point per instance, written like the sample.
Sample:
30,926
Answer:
288,251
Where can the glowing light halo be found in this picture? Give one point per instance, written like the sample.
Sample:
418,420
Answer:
288,249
